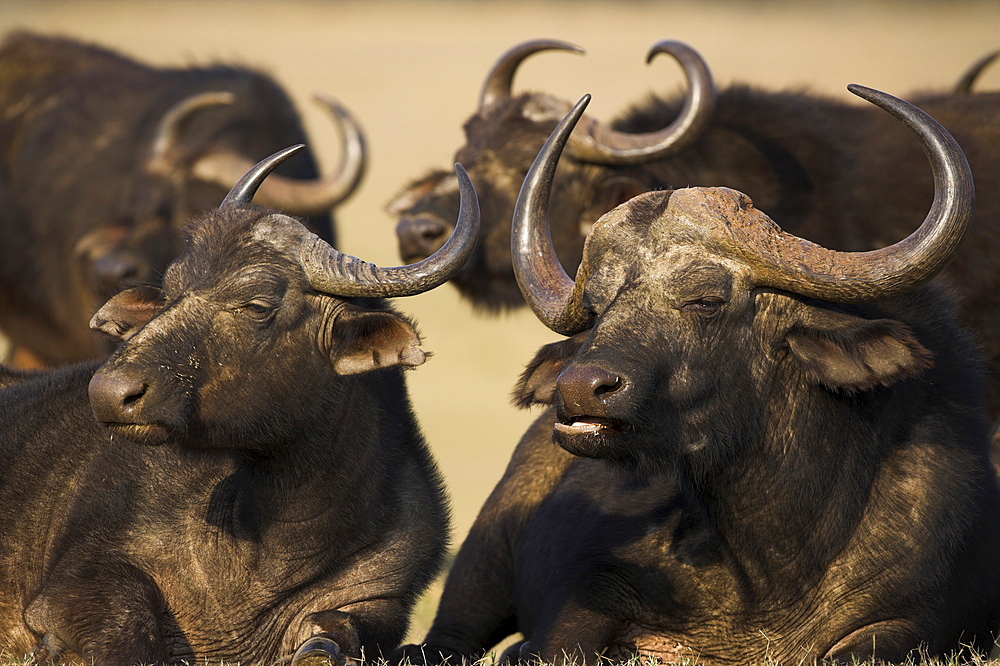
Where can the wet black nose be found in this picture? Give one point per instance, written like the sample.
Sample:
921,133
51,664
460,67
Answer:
590,390
421,236
115,398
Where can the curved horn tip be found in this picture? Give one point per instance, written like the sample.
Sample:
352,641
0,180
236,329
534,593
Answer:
500,77
673,47
547,44
465,185
859,89
573,48
331,102
244,190
461,172
469,200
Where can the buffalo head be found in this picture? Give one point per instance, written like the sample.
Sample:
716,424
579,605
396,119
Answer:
185,167
502,139
690,302
256,318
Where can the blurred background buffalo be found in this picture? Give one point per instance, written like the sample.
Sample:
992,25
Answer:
410,72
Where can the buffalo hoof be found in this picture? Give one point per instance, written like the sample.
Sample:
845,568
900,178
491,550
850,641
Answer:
318,651
46,652
520,654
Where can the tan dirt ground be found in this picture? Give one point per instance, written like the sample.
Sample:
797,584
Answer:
411,72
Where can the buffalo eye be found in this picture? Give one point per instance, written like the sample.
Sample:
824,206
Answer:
704,307
257,309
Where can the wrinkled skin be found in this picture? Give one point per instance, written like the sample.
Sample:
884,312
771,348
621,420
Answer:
741,473
255,476
81,217
844,176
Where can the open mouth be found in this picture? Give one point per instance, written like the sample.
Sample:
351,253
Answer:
586,425
144,433
588,436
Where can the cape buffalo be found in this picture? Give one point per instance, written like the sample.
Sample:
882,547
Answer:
105,158
812,162
772,452
254,479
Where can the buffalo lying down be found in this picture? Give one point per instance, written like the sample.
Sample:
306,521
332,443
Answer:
255,477
769,450
811,162
105,159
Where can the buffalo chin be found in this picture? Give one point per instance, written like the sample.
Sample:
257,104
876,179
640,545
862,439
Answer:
591,439
151,434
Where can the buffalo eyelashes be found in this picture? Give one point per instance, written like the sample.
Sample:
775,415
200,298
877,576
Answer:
705,307
257,309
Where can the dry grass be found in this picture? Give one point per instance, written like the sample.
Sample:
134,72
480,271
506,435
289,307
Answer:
490,660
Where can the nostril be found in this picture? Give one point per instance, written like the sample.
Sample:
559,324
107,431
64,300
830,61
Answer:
609,385
589,390
134,395
428,228
422,231
116,398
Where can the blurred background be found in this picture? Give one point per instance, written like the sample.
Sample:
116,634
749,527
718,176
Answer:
410,71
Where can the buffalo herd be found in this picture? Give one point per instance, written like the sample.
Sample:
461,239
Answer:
769,435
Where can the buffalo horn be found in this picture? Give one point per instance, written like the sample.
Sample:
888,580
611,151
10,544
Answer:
333,272
603,145
330,271
808,269
246,187
167,138
964,85
224,167
499,80
555,298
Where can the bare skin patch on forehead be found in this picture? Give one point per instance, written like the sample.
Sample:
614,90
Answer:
677,241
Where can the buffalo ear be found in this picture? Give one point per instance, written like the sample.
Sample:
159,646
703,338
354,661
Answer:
127,311
367,340
537,385
851,354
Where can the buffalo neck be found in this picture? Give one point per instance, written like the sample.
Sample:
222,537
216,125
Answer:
797,492
329,474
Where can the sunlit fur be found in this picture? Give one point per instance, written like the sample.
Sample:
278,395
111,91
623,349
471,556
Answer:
789,479
81,215
835,171
240,495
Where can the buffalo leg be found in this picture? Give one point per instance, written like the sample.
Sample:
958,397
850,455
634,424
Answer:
107,615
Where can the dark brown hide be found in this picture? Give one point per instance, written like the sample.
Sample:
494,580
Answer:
255,476
756,475
842,175
81,212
